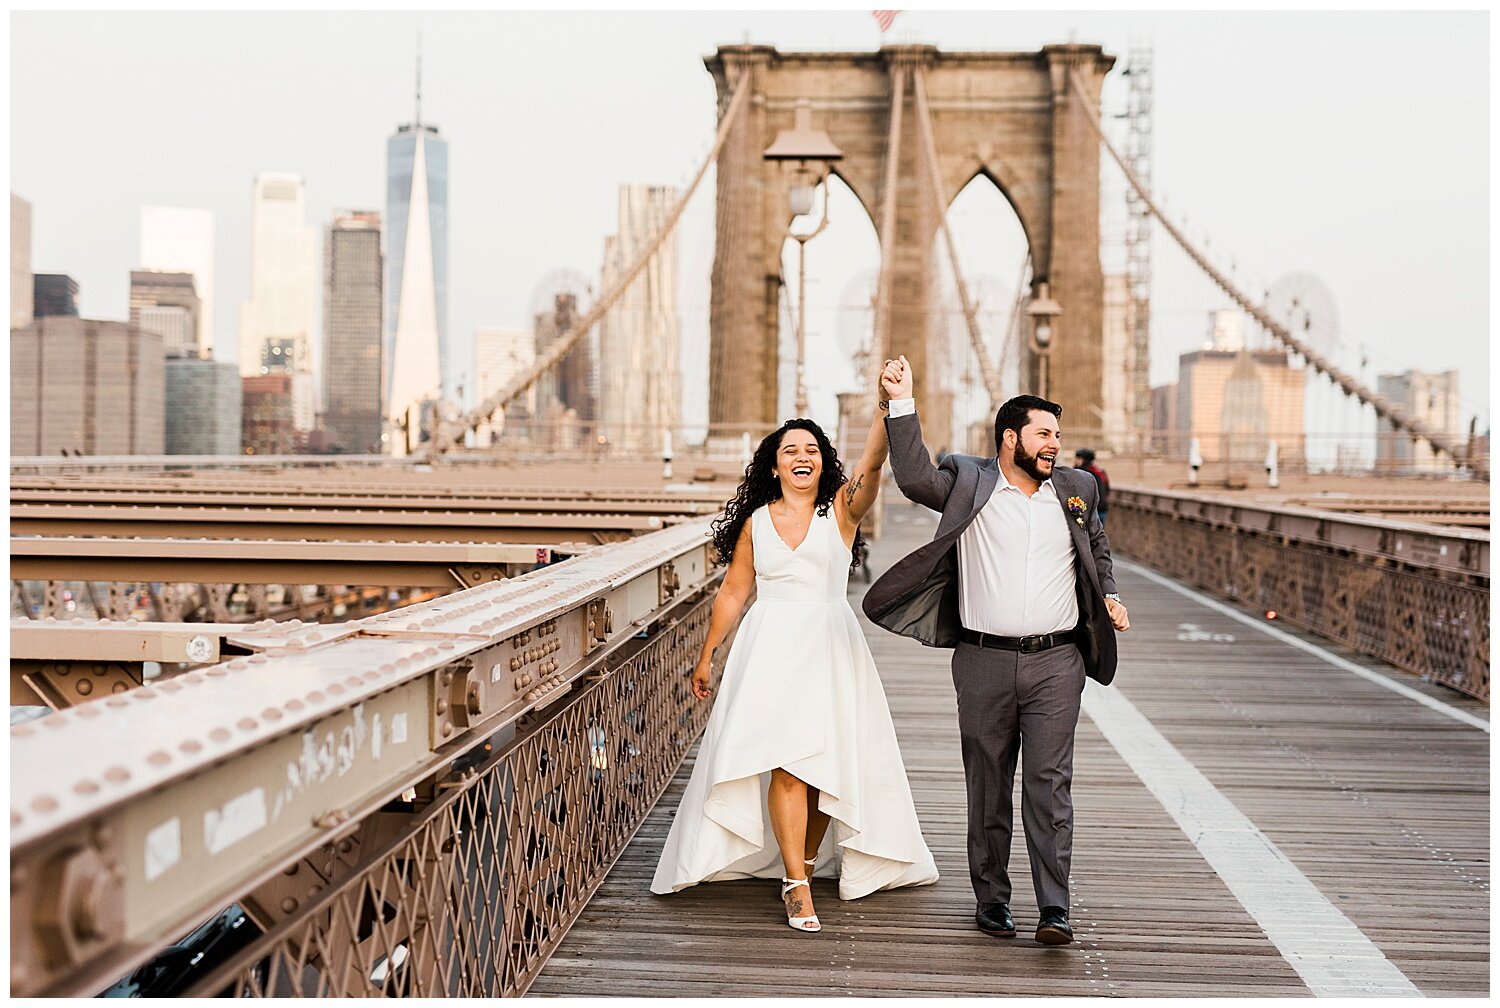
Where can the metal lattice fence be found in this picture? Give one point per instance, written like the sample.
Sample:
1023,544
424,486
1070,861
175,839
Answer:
470,896
1432,622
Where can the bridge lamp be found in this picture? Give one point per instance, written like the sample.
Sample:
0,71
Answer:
1042,311
807,153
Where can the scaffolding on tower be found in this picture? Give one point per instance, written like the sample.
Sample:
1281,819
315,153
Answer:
1138,241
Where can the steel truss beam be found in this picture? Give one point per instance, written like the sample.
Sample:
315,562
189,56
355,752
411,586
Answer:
267,561
132,816
328,525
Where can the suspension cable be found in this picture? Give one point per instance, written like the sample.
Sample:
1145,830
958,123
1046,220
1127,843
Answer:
929,149
882,335
448,436
1383,407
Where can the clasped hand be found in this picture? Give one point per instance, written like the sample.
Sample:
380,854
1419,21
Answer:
896,379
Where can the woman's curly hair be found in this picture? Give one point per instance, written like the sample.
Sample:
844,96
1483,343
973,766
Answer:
760,486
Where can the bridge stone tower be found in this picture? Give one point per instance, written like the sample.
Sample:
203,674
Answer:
1008,116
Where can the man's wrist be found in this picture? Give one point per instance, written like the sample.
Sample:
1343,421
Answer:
1115,596
903,407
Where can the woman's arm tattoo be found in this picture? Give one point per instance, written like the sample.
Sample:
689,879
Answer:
851,488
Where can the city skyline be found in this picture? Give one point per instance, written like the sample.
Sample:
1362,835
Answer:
1222,125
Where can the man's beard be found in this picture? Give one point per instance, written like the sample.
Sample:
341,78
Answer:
1028,465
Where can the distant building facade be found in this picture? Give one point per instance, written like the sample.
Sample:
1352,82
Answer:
418,359
268,426
20,262
1116,325
54,294
1233,402
353,334
500,356
203,407
181,240
640,376
86,386
1165,437
283,305
565,400
168,304
1431,400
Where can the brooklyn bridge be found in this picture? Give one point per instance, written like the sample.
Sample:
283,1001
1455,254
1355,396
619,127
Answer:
412,724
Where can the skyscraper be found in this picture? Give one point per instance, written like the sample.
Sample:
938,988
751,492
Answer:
54,294
20,261
1232,401
203,406
181,240
1431,399
640,380
418,359
283,288
168,304
500,355
84,385
565,394
352,330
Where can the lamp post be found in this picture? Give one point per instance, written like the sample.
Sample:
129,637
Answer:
1041,311
807,154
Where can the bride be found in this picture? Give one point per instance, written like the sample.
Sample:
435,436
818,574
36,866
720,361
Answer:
801,735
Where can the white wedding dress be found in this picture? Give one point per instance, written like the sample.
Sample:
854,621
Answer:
799,691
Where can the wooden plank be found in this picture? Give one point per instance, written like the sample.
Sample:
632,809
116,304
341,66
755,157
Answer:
1382,803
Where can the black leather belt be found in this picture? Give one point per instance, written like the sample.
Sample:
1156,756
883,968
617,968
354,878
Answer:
1025,645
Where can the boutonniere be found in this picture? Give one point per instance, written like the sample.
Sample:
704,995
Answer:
1077,508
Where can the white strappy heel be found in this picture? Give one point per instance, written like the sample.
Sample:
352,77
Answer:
809,862
809,923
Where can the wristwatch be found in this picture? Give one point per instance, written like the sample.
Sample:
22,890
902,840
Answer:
1115,596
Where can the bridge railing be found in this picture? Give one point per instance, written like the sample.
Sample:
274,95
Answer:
1414,595
413,803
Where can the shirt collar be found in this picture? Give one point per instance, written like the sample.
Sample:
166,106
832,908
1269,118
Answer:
1006,484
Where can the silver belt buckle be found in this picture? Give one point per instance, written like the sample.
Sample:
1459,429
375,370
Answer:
1032,644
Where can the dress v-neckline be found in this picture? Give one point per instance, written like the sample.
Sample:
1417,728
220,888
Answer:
790,548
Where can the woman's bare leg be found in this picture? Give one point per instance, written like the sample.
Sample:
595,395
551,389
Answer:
817,825
787,803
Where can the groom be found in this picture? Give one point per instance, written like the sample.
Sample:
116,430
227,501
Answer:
1019,582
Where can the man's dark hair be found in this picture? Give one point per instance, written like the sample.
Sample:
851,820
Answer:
1016,414
1087,454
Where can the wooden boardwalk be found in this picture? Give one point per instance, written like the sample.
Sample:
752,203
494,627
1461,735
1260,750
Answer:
1381,803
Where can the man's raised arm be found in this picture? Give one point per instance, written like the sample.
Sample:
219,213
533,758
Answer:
917,477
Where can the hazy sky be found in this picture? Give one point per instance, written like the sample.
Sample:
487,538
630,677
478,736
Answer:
1350,146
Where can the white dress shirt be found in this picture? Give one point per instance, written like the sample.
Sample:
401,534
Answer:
1015,561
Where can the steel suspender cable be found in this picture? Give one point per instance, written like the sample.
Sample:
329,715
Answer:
935,186
882,340
1383,408
448,436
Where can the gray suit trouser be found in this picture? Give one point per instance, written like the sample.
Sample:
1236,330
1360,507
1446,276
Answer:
1008,704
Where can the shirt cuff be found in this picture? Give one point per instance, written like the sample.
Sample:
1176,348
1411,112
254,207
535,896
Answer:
903,407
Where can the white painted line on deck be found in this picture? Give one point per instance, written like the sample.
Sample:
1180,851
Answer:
1312,649
1331,955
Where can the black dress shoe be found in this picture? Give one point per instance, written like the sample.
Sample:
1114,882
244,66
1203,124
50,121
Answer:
1053,927
994,919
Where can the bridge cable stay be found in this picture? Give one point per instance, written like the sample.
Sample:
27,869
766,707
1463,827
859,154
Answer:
450,435
987,369
1017,312
883,292
1383,407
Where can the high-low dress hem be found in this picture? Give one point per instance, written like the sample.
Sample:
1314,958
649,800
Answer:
800,692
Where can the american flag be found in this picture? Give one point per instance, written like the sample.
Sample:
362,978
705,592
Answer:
885,18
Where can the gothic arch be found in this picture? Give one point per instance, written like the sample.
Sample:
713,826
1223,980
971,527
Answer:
1005,114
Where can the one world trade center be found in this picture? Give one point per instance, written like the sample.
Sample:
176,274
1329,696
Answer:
416,281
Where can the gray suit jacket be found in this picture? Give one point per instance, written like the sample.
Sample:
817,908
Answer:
918,596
